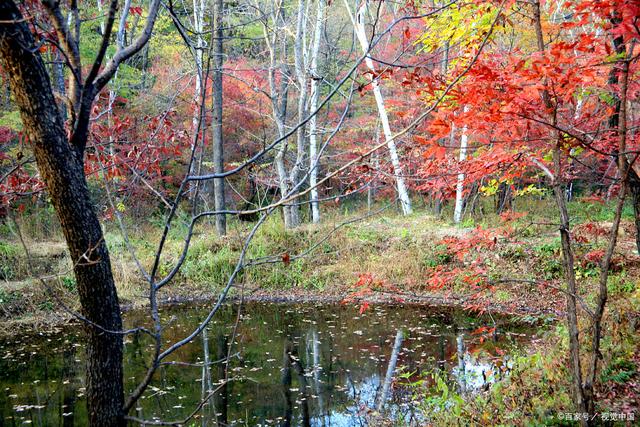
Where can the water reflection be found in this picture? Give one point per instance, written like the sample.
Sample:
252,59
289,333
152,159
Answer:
289,365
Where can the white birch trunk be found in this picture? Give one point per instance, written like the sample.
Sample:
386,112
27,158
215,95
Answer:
316,82
358,24
300,62
198,18
457,212
273,35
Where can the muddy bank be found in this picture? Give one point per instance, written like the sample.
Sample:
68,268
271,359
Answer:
41,321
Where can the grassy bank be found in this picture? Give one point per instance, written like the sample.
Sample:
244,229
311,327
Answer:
323,259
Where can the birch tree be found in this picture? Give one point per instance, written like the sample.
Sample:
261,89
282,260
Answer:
316,81
457,212
359,28
278,77
198,53
301,62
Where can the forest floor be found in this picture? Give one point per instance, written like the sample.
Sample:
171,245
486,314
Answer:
325,263
375,258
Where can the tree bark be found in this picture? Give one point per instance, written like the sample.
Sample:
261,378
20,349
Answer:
316,82
216,125
457,211
300,62
197,122
278,91
62,170
567,249
623,167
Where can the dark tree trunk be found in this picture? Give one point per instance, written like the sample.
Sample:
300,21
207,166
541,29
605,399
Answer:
614,123
62,170
216,125
634,184
505,198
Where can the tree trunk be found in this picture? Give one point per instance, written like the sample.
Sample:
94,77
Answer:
504,198
572,309
316,82
279,97
457,211
63,172
197,122
635,193
216,125
300,61
567,249
358,24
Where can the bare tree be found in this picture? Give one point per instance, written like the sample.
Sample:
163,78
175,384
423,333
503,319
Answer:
316,81
216,125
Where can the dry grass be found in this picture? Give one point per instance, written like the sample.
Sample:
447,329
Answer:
398,250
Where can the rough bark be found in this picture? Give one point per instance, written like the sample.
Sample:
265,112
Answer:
62,169
567,249
602,298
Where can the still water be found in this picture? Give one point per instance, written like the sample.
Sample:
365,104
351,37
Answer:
308,365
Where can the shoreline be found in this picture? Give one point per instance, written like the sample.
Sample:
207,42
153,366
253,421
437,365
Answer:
40,322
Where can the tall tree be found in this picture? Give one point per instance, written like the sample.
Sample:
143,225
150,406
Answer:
457,211
300,62
359,28
316,81
60,160
274,30
216,125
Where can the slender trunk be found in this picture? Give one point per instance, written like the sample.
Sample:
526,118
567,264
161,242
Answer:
279,98
572,309
457,212
58,72
316,81
216,125
437,206
197,121
371,188
567,250
358,24
63,172
623,166
300,62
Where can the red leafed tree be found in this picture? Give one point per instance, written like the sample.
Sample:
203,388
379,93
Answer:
552,102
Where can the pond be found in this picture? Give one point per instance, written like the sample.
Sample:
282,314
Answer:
290,364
